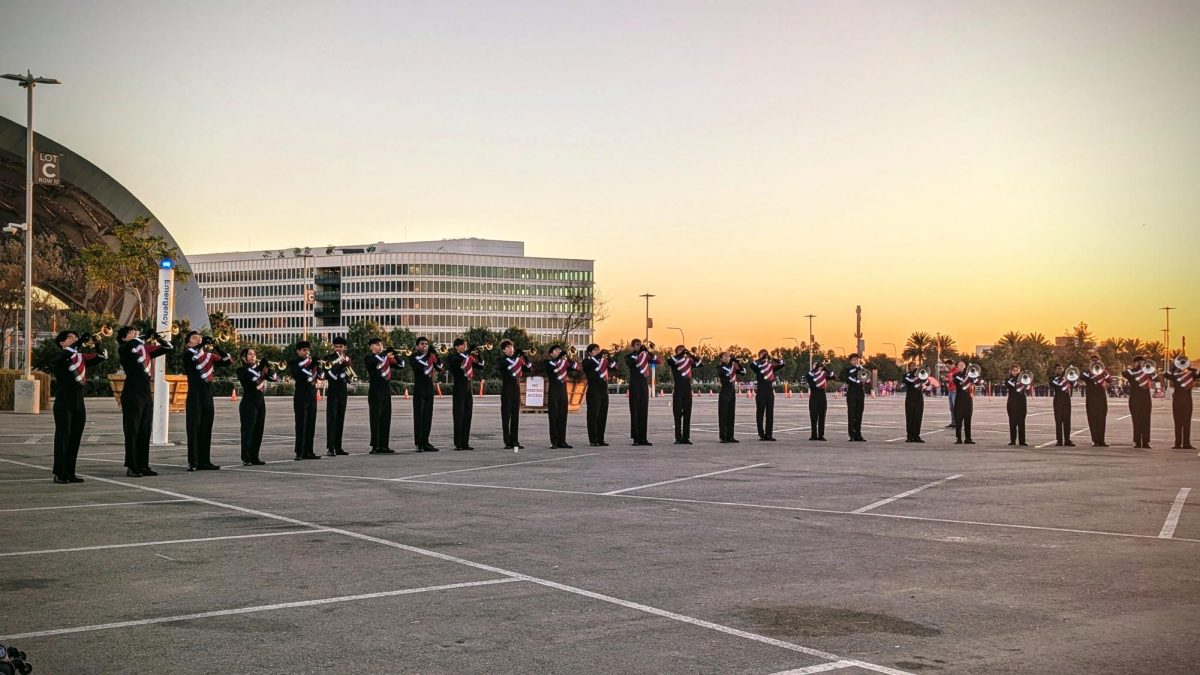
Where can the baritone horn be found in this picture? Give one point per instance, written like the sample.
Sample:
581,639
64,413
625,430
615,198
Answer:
1097,369
1148,367
973,371
1182,362
1026,379
1072,374
923,374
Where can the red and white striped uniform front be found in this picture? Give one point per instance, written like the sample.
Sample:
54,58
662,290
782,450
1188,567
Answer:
78,366
305,367
560,369
203,360
731,373
1185,378
768,370
427,363
385,366
602,366
469,365
1062,383
684,366
1143,379
515,365
642,363
819,378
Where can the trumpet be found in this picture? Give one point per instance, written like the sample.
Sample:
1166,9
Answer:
403,350
1026,379
1072,374
923,374
325,365
484,347
90,339
276,365
443,349
973,371
1181,362
175,329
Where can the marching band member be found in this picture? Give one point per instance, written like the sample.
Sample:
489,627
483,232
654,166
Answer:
1096,390
514,366
964,403
1182,380
556,368
857,377
463,364
764,393
380,365
951,390
1017,405
598,366
70,413
137,405
728,373
252,411
1061,385
914,403
1139,383
424,363
337,385
199,364
681,365
305,373
818,381
639,361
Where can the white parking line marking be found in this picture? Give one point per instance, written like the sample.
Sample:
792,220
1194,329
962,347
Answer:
166,542
165,557
819,668
900,438
902,495
92,506
515,575
680,480
93,439
1168,528
33,440
256,608
497,466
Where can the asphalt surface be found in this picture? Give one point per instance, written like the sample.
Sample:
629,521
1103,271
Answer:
751,558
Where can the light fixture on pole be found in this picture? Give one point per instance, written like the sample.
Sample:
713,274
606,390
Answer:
28,81
811,339
895,352
701,343
681,336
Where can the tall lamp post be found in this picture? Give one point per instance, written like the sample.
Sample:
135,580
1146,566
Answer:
1167,338
681,336
895,352
811,339
28,81
647,296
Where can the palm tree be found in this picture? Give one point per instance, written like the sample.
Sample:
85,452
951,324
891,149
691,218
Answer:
1131,347
1036,340
917,346
1154,350
944,344
1010,339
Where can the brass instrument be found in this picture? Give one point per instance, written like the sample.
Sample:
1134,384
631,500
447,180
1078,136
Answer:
443,349
225,337
91,339
571,352
175,329
1148,367
863,374
1182,362
1026,379
478,348
1097,369
531,353
350,374
974,372
649,346
325,365
276,365
923,374
1072,374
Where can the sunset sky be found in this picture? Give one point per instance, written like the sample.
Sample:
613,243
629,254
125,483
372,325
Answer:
964,167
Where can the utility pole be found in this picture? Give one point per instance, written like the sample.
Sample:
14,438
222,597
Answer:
1167,338
811,340
647,296
859,346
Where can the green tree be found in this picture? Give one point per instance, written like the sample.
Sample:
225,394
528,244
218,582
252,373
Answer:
131,267
1010,340
359,337
945,346
918,346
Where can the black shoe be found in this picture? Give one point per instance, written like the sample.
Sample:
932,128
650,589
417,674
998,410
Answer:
509,447
918,439
1189,447
1176,447
192,467
647,443
958,442
968,442
382,451
813,438
430,448
761,437
330,453
1069,444
298,458
247,463
520,447
1023,445
61,481
258,462
734,440
74,479
1012,442
1147,447
769,438
311,455
820,438
467,447
565,446
1058,444
149,472
1103,445
210,467
949,426
339,451
458,448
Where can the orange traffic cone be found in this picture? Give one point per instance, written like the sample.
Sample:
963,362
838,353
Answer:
481,389
787,390
319,396
439,389
233,394
406,392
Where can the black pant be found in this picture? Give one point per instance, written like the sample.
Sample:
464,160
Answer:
137,417
914,410
855,400
422,417
69,417
1097,415
199,424
335,415
725,406
556,411
1139,411
681,408
1181,410
1062,419
253,414
510,412
379,415
639,411
764,411
1018,410
462,407
597,411
964,406
304,405
818,405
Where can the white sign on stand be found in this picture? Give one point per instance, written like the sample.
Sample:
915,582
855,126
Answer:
535,391
164,313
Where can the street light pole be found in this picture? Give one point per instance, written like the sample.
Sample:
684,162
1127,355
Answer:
1167,338
647,296
895,352
28,81
811,339
681,336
